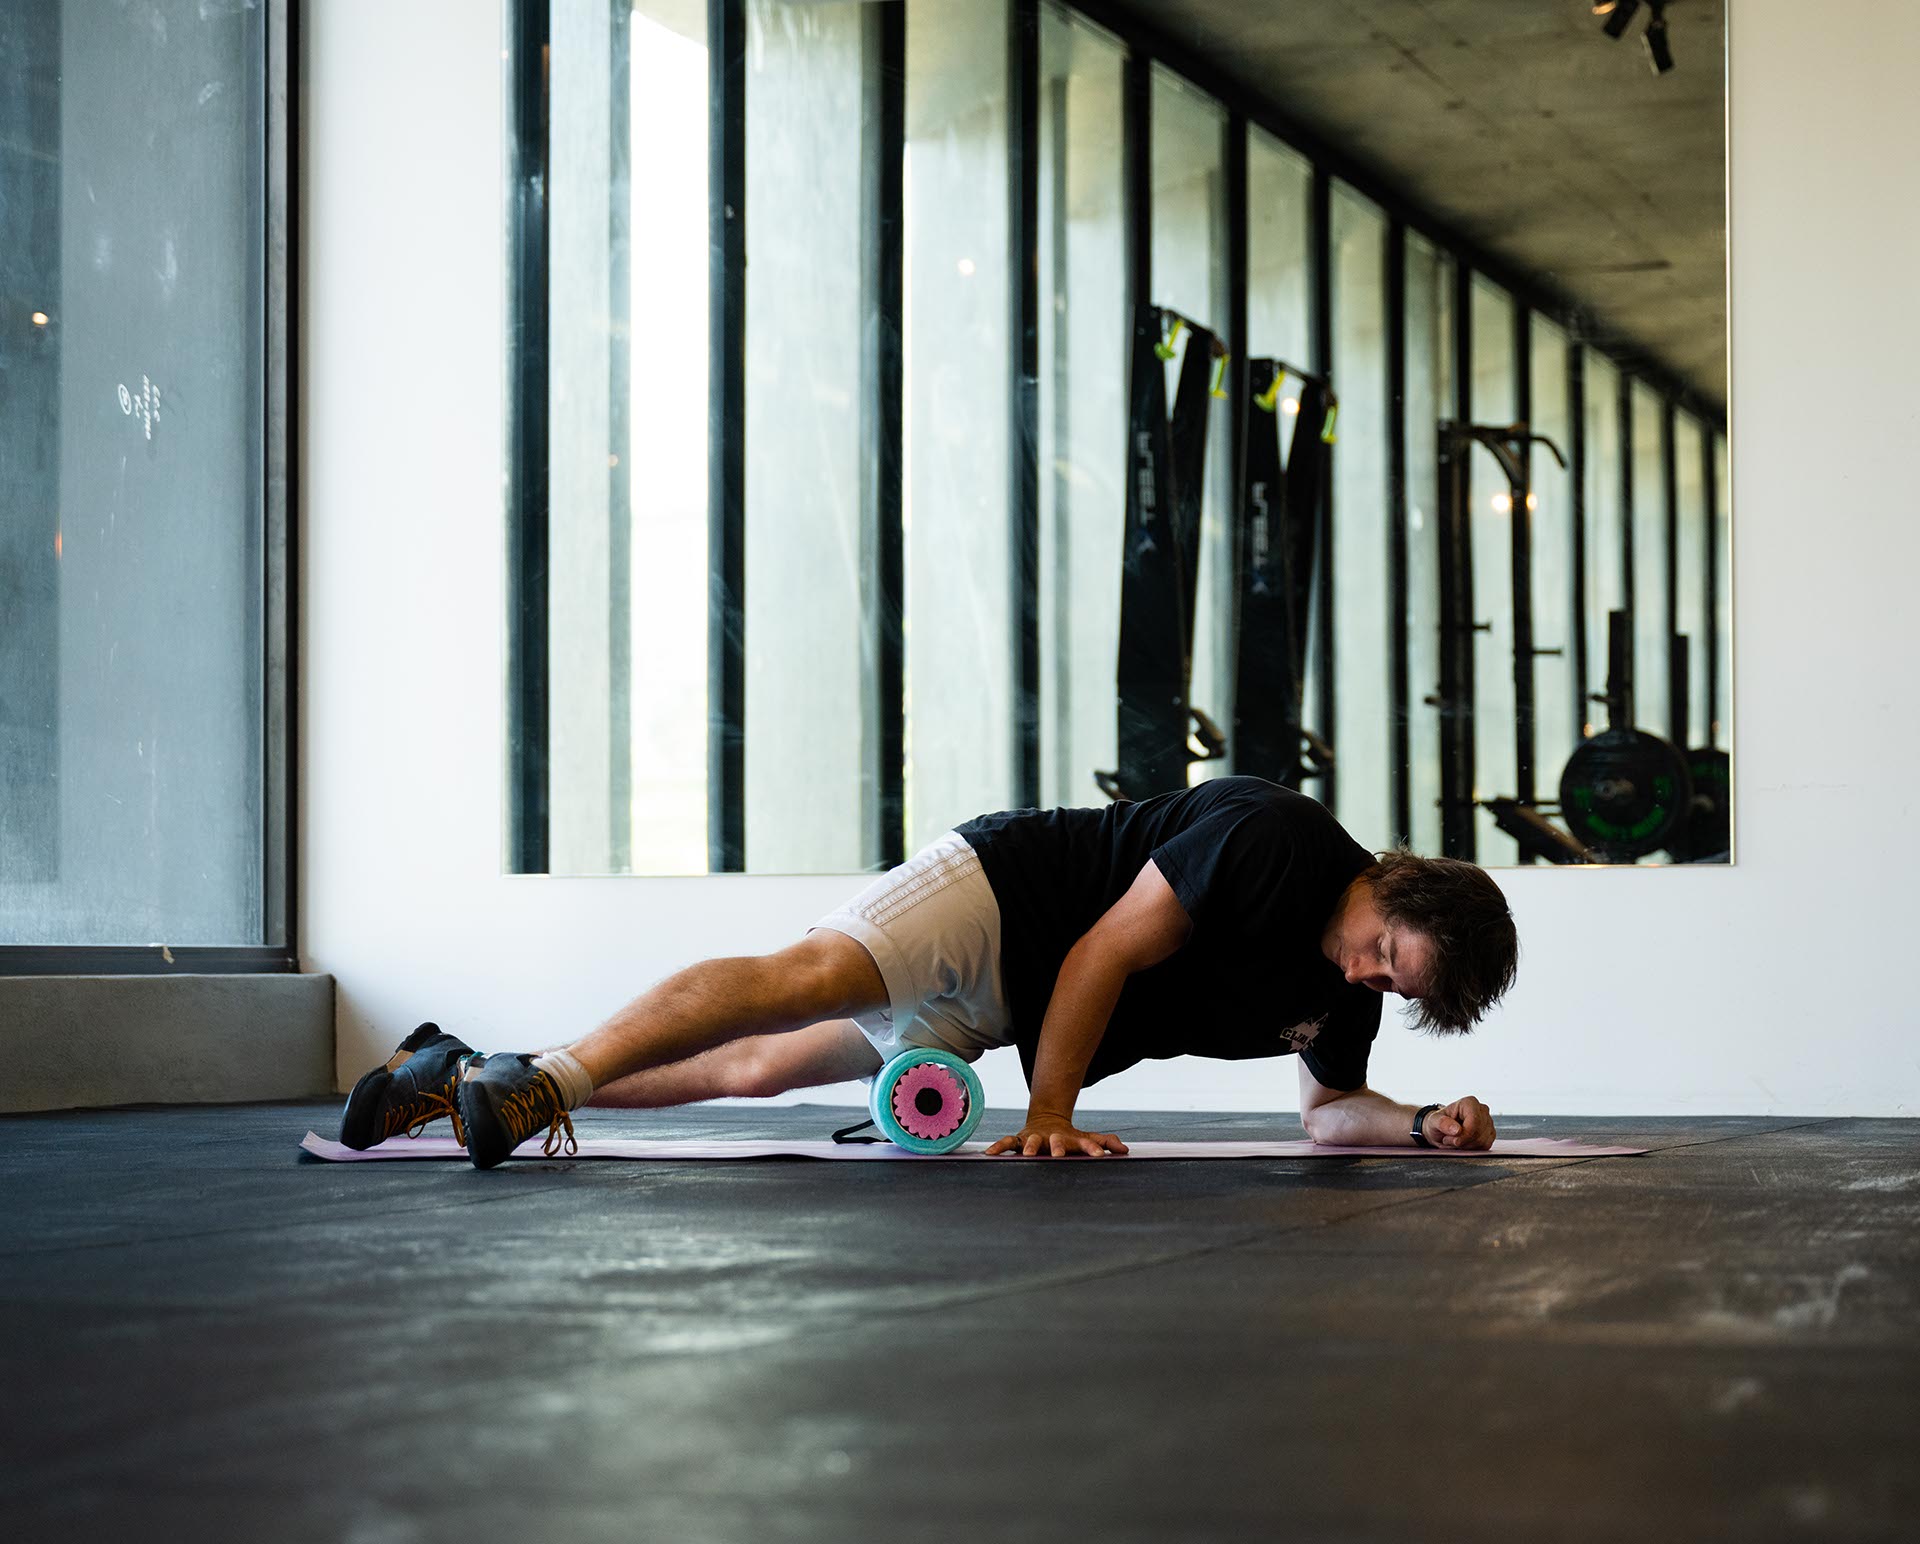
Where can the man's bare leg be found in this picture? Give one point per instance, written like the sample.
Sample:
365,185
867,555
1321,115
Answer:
753,1067
826,976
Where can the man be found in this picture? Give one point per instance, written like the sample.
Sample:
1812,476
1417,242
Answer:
1235,920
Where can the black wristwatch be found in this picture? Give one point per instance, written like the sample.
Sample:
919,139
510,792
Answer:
1419,1120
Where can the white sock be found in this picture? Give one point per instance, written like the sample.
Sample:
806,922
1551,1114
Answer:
572,1079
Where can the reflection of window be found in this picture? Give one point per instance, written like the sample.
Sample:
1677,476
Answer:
1558,712
667,455
1650,616
142,783
1429,399
1490,524
1691,537
1083,401
1363,693
959,612
809,795
1606,584
863,363
1720,727
1189,245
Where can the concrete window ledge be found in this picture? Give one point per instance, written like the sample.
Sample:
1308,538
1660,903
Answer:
79,1042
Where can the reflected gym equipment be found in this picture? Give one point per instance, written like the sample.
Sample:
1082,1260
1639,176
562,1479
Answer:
1626,793
1280,514
1160,731
1511,446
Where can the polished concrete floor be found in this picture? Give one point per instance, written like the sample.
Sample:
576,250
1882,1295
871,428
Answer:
203,1338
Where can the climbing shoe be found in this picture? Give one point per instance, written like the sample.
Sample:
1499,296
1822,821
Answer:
408,1092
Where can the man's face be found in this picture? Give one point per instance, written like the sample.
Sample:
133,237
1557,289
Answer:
1373,952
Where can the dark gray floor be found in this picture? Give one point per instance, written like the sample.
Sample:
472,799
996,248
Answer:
206,1339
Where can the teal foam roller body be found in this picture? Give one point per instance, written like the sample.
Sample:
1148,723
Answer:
926,1100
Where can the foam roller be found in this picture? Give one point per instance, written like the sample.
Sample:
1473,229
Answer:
926,1101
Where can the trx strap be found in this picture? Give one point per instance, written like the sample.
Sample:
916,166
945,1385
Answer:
1280,514
1160,560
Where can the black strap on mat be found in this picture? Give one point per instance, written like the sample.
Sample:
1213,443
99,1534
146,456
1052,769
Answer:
845,1135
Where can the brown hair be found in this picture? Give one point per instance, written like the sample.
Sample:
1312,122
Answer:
1476,948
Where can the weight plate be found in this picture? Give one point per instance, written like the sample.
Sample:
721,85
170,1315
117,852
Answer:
1707,830
1624,792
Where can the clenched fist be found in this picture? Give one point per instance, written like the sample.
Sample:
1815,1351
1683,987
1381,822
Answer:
1464,1123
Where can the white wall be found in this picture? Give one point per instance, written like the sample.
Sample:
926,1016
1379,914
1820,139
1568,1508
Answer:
1777,986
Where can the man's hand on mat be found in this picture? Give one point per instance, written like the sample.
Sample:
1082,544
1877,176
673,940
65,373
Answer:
1464,1123
1055,1136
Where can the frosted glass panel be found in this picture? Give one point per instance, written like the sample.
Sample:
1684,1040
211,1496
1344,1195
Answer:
132,326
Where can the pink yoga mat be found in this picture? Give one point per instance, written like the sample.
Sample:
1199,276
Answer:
605,1147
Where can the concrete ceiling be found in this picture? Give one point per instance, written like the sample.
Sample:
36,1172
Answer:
1521,125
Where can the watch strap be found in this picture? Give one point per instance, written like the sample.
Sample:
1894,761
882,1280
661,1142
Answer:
1420,1120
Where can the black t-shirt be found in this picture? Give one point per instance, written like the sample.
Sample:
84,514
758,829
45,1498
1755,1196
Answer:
1258,869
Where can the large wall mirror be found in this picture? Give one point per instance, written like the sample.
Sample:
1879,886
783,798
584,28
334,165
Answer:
924,407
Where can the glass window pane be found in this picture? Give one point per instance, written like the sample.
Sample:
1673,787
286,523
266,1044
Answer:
132,265
1604,582
808,664
1083,401
1692,568
1490,525
1429,399
1650,654
1190,276
1279,324
627,428
1558,712
1720,731
959,623
1363,693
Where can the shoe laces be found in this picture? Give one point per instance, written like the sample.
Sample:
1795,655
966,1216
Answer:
535,1101
414,1115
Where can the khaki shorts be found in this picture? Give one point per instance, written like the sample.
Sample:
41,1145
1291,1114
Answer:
933,927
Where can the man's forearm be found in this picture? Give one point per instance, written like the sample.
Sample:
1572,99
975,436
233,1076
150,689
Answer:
1084,997
1362,1119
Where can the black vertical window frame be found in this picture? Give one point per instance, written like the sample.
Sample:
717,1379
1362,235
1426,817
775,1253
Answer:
527,42
1320,278
620,439
1577,482
1059,461
1710,661
1136,131
1236,383
727,437
1023,331
883,146
1676,661
1461,821
1400,707
1520,524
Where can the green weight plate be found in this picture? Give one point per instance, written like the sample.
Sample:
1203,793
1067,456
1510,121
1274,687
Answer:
1624,792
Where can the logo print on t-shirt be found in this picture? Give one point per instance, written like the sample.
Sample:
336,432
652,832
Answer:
1300,1036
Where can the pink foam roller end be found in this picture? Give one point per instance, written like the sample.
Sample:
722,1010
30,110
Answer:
942,1121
